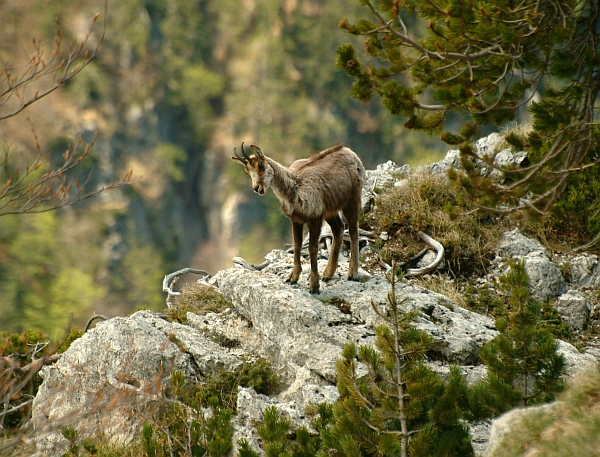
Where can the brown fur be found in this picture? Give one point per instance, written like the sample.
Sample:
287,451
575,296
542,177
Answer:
310,191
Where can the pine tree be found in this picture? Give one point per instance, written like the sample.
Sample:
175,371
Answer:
486,62
399,406
279,441
523,365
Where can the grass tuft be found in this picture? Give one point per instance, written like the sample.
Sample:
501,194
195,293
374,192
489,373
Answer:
198,299
433,205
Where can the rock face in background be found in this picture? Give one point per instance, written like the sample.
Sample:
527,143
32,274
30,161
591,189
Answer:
118,367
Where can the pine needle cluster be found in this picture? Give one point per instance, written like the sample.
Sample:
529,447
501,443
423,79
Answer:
487,64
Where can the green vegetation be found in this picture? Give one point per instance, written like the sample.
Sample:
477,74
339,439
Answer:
523,365
223,388
484,64
198,299
569,427
279,440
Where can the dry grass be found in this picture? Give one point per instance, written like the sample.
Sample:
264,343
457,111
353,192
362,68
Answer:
433,205
442,285
571,428
198,299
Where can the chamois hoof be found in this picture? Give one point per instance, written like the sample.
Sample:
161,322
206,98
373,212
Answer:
315,292
326,279
289,281
351,278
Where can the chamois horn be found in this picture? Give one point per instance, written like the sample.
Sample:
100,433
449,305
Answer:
244,152
242,159
236,153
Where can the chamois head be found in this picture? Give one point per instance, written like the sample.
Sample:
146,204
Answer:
257,168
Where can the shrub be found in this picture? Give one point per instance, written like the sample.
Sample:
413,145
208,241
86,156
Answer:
523,365
433,205
198,299
224,387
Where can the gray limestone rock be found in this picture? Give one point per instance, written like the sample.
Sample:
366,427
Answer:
441,168
502,425
574,309
575,362
545,279
516,245
110,378
585,270
386,174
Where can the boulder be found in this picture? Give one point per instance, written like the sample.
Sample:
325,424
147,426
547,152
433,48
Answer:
575,362
515,245
545,279
299,329
585,271
574,308
502,425
386,174
109,379
441,168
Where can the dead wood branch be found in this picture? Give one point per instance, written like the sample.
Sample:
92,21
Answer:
171,279
238,262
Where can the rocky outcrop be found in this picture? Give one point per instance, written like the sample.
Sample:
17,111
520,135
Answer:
117,368
545,279
301,334
111,379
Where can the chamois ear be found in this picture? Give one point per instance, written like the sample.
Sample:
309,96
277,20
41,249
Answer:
257,151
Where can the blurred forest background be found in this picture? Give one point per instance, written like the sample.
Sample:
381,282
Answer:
175,86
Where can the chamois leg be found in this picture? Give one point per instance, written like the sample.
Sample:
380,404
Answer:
314,230
352,218
297,235
337,229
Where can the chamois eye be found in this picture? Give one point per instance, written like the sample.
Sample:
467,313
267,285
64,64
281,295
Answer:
261,167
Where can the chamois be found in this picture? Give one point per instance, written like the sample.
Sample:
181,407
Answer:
310,191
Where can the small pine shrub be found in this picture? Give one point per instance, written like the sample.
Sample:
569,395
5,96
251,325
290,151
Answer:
279,440
224,387
399,406
523,365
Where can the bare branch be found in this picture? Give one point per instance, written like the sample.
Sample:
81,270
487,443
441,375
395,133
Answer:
439,249
62,65
171,279
92,319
